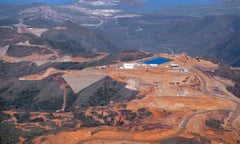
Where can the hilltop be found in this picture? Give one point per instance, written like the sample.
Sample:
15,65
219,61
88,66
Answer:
144,104
114,26
118,71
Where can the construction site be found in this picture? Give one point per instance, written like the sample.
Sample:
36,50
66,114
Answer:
174,100
120,72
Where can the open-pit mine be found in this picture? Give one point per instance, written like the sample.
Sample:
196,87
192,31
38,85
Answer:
174,102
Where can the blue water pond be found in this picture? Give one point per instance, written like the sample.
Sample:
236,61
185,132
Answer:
158,60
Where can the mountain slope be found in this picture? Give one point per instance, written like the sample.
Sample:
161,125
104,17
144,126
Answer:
77,40
226,49
156,33
104,91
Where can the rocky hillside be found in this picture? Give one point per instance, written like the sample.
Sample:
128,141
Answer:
103,92
77,40
226,50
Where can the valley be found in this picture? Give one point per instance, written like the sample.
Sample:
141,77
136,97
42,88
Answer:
120,71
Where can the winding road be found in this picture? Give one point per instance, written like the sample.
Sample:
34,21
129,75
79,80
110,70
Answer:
103,133
234,111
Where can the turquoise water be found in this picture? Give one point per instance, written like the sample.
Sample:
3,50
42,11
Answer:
158,60
58,2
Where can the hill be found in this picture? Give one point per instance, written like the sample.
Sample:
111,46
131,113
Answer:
226,49
77,40
40,103
72,74
172,33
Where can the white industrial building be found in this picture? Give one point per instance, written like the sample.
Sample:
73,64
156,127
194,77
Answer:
128,66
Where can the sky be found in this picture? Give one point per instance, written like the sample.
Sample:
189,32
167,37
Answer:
150,1
42,1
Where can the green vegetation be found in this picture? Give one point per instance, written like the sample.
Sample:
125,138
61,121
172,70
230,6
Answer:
9,134
102,92
77,40
22,117
4,116
8,21
226,72
23,51
103,96
31,95
71,47
225,50
87,121
42,23
213,123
